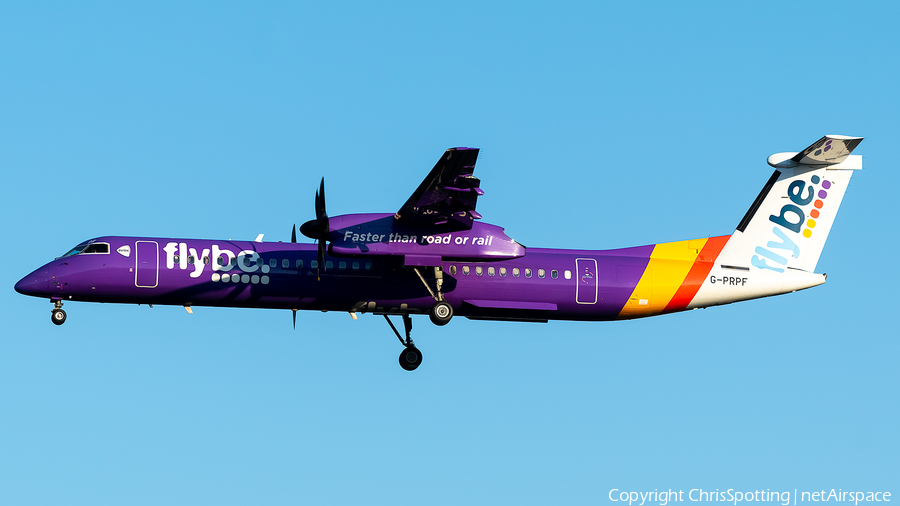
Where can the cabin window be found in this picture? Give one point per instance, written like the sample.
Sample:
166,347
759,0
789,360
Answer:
96,248
453,269
273,263
313,264
368,266
554,274
329,265
285,263
342,265
299,264
177,259
515,272
259,261
527,273
479,271
191,260
466,270
220,261
490,271
503,271
541,273
568,274
355,266
206,261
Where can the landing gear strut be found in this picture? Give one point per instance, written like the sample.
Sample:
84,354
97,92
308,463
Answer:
441,312
58,316
411,357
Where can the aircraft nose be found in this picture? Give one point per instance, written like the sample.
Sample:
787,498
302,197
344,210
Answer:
33,284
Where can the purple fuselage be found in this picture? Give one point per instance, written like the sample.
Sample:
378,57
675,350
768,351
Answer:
540,284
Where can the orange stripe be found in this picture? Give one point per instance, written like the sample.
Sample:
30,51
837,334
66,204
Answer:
697,275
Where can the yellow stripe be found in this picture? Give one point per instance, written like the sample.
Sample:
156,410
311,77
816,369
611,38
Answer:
669,264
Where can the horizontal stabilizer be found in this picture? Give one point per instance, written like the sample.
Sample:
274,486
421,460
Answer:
828,150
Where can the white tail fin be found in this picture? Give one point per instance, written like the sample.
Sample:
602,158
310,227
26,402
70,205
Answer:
789,221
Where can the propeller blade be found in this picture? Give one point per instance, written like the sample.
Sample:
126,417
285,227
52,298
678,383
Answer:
318,228
294,233
320,203
321,265
316,205
294,316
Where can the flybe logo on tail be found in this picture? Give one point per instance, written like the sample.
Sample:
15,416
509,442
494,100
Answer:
791,220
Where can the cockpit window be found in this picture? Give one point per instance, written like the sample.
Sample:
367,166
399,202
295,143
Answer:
77,249
95,248
89,247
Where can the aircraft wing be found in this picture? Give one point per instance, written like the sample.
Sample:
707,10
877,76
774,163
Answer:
448,194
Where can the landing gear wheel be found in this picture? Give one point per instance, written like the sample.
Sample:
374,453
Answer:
441,312
58,316
410,358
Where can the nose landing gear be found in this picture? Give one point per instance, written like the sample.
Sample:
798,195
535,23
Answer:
411,357
57,315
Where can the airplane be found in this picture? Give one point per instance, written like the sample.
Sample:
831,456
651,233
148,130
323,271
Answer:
435,256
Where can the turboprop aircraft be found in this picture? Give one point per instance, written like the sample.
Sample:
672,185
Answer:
434,256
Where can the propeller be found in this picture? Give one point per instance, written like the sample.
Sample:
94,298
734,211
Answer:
318,228
294,233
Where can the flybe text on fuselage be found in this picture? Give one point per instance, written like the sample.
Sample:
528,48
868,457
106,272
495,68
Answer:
221,259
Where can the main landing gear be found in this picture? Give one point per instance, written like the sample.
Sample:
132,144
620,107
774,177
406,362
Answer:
411,357
441,312
58,316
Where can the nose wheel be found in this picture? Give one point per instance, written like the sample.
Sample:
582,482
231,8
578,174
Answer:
410,357
58,316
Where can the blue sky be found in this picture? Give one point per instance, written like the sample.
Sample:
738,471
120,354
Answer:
601,126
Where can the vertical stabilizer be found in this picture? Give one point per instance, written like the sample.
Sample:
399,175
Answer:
788,223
